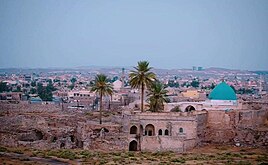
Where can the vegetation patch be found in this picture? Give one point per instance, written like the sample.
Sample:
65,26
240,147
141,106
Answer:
65,154
213,156
3,149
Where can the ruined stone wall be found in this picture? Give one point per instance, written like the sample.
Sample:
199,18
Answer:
108,136
37,132
241,127
202,119
37,126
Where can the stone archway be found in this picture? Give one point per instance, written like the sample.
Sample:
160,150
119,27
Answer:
189,108
133,146
149,130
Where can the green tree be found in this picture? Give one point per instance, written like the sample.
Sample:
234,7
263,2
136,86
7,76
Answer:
157,97
172,83
45,93
18,89
212,86
3,87
233,88
50,86
195,83
33,83
115,78
103,88
141,77
33,91
73,80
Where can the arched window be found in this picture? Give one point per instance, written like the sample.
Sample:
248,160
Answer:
181,130
149,130
133,130
166,132
189,108
160,132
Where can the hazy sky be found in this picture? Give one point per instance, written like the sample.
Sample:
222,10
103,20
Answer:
167,33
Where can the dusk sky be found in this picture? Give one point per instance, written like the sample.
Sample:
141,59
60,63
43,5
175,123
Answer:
168,33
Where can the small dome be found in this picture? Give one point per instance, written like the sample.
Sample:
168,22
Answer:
222,92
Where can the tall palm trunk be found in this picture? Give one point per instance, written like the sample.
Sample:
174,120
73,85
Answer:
100,108
142,94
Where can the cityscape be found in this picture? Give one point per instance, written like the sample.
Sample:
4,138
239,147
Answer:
133,82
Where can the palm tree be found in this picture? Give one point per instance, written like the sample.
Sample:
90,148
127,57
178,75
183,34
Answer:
157,97
141,77
103,88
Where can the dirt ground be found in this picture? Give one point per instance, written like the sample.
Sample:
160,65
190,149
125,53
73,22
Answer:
210,154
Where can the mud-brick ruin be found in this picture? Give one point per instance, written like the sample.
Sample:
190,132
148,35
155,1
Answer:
220,120
50,127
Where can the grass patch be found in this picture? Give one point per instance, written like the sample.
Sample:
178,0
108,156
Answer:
3,149
86,154
178,160
262,158
65,154
18,151
243,163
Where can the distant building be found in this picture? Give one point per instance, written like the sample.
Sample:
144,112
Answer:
191,93
35,100
222,97
117,85
197,68
27,78
11,96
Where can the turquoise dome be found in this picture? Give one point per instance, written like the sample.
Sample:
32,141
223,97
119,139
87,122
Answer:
222,92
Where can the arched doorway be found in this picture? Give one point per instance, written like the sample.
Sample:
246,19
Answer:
189,108
133,130
133,146
149,130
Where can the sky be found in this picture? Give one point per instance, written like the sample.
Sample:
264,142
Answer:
170,34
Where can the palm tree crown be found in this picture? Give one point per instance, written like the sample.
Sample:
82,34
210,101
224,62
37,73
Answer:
157,97
102,88
141,77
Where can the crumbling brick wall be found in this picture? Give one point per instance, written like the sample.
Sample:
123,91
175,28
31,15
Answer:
241,127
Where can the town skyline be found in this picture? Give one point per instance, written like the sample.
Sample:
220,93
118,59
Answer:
129,68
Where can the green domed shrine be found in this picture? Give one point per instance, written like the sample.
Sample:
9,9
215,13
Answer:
222,92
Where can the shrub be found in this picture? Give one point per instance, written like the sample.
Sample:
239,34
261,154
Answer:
179,160
262,158
116,158
18,151
130,154
3,149
243,163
